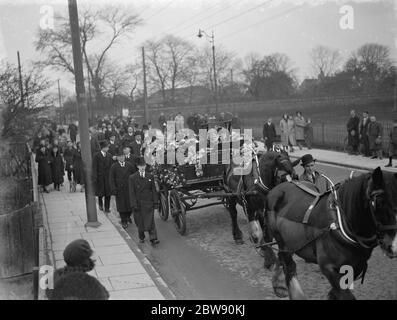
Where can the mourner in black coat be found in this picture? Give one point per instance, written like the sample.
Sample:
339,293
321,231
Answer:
114,148
68,156
144,200
57,167
269,134
43,158
101,163
78,166
353,132
364,138
119,175
136,145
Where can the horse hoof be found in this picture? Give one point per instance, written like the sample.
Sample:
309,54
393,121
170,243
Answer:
281,292
239,241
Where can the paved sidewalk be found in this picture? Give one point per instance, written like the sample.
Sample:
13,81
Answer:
342,159
123,272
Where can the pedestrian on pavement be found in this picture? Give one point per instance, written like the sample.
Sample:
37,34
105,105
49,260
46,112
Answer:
311,175
79,286
128,137
269,134
57,167
119,175
136,145
375,132
144,201
94,143
352,133
78,168
291,133
43,158
72,131
364,140
284,131
114,148
68,156
300,124
78,258
236,123
101,163
309,134
392,143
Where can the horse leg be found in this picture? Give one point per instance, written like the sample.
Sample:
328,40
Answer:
278,281
237,234
334,277
294,289
269,256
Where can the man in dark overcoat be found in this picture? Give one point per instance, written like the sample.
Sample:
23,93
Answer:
392,143
364,139
352,132
375,132
136,145
43,158
114,148
269,134
101,163
144,201
57,167
119,175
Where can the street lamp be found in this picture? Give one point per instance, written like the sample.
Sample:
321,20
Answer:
211,38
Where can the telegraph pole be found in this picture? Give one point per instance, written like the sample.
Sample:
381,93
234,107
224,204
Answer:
60,103
20,80
92,219
90,111
145,87
215,80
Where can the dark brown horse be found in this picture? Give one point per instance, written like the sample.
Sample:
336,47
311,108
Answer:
339,233
273,167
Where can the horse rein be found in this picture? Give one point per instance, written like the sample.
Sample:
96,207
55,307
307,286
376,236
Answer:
373,196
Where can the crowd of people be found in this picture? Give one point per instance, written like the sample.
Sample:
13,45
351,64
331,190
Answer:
294,132
365,137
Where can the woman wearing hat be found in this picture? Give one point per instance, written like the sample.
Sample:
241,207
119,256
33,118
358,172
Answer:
311,175
101,163
78,258
119,174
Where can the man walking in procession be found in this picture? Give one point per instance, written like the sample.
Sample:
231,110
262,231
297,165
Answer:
101,163
119,175
144,201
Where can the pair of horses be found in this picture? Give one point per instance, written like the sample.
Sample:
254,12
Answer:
342,228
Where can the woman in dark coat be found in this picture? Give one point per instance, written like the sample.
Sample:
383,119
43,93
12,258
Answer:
119,174
43,158
68,156
78,167
57,167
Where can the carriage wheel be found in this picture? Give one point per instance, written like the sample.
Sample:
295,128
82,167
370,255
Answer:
163,212
178,212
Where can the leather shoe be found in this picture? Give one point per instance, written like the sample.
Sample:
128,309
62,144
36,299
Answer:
141,240
101,208
154,242
124,225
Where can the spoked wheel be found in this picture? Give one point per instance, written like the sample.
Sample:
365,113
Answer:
178,212
164,206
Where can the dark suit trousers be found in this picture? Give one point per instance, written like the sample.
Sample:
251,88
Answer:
269,144
124,216
152,233
107,202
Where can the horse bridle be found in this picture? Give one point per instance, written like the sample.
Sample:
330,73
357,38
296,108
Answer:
372,197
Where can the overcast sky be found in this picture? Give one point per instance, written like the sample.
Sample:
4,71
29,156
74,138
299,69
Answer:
241,26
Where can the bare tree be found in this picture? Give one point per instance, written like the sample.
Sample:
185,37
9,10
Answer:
103,28
169,60
325,61
35,95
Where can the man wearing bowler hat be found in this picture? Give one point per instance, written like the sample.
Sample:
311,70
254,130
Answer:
144,201
311,175
101,163
119,174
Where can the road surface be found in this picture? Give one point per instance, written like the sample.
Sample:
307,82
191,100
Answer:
207,264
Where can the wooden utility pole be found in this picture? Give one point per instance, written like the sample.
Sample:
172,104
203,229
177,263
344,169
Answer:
231,76
60,103
214,66
146,119
90,111
92,219
20,80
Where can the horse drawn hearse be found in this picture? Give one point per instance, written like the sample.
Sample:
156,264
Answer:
227,168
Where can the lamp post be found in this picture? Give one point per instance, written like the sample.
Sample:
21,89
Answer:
211,38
